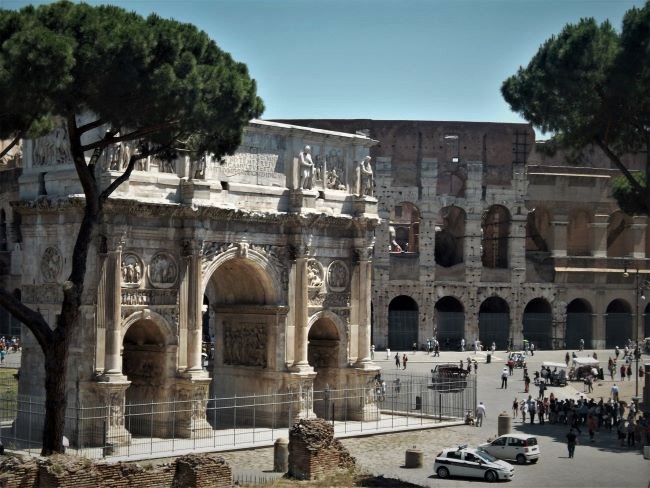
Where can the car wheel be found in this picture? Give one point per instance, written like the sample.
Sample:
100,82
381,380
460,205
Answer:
443,472
491,476
533,461
521,459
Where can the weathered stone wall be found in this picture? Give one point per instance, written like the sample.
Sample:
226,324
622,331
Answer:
192,471
314,452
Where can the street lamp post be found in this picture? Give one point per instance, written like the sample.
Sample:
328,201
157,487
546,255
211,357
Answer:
638,290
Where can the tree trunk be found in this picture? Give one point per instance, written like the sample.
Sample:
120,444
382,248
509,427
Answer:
56,365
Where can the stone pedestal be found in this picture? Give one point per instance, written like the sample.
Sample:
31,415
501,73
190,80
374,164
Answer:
191,402
300,200
194,190
302,389
364,206
110,391
364,407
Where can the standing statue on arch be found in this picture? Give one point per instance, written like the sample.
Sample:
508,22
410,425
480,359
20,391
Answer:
306,169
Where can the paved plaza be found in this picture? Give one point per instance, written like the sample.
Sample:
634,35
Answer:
601,463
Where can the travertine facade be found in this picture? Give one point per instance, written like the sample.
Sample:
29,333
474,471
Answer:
280,273
484,238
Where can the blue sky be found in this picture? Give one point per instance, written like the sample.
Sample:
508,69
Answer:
381,59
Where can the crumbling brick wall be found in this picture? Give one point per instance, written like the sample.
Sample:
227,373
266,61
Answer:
192,471
314,452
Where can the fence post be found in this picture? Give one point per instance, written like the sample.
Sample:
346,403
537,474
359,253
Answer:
151,430
234,422
29,423
439,407
174,423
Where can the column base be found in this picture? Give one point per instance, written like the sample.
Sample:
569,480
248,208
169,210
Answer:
302,368
110,392
191,403
366,364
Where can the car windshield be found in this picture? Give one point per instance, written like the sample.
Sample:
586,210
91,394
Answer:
486,457
532,441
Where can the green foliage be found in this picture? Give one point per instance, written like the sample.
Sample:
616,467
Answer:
159,79
590,85
626,196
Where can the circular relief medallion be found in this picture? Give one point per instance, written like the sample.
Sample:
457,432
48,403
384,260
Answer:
51,264
314,273
163,270
337,276
132,270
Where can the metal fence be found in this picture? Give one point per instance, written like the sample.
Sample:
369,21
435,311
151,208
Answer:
394,402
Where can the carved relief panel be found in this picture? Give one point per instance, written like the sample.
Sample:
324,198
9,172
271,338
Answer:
51,264
131,270
163,270
244,344
338,276
314,274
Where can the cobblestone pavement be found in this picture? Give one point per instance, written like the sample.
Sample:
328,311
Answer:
383,455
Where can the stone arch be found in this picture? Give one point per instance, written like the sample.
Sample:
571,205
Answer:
620,239
538,323
403,321
579,324
450,236
405,220
325,351
257,271
149,363
450,322
618,323
243,291
495,229
539,230
579,233
494,322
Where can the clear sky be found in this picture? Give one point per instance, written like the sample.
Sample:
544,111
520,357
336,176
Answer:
381,59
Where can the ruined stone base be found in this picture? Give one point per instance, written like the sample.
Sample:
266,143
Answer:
314,452
192,471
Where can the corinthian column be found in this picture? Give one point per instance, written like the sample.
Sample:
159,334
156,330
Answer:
363,275
194,300
111,288
301,312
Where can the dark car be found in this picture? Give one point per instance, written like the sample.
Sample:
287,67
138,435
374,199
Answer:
448,377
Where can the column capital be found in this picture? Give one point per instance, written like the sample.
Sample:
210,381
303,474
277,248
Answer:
364,253
192,247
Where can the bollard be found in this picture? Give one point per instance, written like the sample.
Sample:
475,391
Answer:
418,403
504,425
281,455
413,458
488,359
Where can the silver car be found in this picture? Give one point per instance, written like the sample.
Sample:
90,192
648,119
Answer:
520,447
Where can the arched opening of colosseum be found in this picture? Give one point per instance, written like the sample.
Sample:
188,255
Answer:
405,220
450,236
450,322
579,233
494,322
618,324
579,316
495,230
646,321
149,363
619,235
403,319
539,231
323,355
538,323
243,318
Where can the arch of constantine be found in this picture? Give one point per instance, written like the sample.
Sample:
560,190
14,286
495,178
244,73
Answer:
269,250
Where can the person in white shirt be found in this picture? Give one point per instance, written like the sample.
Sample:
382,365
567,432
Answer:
480,413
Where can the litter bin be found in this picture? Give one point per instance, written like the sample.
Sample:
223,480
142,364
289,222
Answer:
489,358
418,402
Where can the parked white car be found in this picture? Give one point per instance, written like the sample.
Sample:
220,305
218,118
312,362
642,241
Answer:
471,463
520,447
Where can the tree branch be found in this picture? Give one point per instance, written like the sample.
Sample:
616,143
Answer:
34,321
91,126
86,177
613,157
137,134
4,152
127,172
